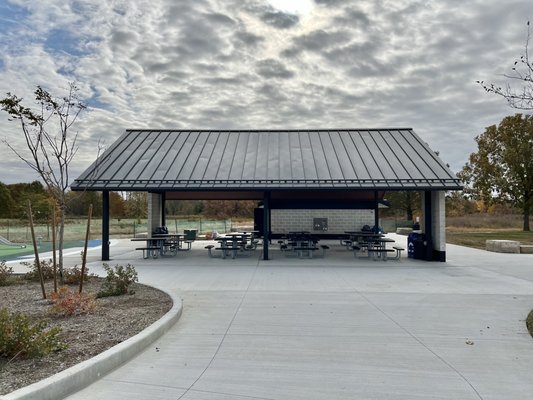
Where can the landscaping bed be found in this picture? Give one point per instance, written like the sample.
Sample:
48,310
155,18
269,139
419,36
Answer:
529,323
113,320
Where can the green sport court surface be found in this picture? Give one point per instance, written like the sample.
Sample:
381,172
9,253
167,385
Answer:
8,253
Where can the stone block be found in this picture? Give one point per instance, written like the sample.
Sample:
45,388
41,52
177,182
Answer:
503,246
404,231
526,249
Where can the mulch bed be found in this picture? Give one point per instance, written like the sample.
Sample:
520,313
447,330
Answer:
114,320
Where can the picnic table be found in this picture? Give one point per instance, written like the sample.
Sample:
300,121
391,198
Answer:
162,244
359,238
356,236
299,233
302,243
234,242
375,244
377,248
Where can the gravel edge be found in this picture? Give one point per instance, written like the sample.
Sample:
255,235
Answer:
83,374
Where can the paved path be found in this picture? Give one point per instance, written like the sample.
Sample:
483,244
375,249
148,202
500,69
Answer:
334,328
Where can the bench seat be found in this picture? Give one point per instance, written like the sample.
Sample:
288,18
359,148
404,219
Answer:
209,247
309,250
384,252
188,243
224,249
149,251
399,250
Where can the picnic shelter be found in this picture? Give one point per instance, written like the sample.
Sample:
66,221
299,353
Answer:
300,178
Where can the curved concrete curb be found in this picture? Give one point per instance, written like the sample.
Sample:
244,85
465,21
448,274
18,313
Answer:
83,374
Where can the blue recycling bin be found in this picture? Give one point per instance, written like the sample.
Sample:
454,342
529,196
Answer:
416,246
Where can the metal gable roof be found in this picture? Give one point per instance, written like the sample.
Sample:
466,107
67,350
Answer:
173,160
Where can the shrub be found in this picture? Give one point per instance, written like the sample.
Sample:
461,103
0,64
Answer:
6,274
68,302
47,269
19,337
118,280
71,276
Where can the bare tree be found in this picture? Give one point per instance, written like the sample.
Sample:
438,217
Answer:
51,145
522,73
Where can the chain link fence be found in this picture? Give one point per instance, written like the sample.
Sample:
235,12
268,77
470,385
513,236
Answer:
18,231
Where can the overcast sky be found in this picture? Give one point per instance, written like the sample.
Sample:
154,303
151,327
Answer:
263,64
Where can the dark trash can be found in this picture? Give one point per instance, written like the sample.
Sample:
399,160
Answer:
416,246
161,230
190,234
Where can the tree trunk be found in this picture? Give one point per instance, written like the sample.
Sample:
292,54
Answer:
526,216
409,197
36,250
409,213
61,239
84,257
54,253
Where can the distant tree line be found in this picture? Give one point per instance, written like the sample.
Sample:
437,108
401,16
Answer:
403,204
14,198
406,205
218,209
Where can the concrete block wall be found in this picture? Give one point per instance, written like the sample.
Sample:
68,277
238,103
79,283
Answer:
438,220
283,221
155,216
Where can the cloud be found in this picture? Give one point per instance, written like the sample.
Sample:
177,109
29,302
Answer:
219,18
121,39
272,17
352,18
244,64
317,41
248,39
271,68
279,19
330,2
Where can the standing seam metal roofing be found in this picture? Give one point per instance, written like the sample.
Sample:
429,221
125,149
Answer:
359,159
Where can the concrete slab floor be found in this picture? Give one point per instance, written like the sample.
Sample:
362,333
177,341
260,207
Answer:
333,328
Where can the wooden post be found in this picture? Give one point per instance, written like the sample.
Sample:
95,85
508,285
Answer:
105,225
84,258
37,262
54,260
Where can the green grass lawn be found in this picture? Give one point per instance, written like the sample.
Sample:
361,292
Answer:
477,238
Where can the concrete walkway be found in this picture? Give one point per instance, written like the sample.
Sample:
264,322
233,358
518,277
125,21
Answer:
333,328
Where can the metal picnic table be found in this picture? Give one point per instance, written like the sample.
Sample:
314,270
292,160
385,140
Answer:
161,244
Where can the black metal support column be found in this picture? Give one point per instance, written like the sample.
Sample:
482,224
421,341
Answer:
163,207
428,217
376,209
266,224
105,225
